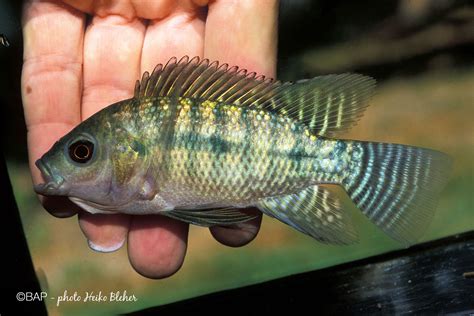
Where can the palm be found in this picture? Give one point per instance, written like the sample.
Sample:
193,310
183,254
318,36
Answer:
71,70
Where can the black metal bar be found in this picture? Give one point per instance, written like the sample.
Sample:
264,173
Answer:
428,279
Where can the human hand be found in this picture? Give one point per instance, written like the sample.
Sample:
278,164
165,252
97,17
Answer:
80,56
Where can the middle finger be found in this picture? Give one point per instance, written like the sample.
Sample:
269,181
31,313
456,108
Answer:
112,49
157,245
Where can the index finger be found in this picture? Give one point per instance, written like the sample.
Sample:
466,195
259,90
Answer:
51,76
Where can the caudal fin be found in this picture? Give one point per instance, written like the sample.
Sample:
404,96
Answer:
397,186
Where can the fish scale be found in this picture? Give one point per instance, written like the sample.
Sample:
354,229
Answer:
221,174
200,140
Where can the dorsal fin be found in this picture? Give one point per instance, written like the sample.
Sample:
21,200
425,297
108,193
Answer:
325,104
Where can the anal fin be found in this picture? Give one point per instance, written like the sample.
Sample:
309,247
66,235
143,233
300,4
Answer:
210,217
314,211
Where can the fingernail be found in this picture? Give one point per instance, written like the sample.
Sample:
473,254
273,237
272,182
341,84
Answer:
105,249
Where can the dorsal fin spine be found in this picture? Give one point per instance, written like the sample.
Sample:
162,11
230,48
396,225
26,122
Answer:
167,69
240,86
240,74
211,68
215,82
194,74
173,77
153,79
259,94
251,92
228,83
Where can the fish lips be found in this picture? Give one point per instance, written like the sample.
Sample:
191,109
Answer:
54,185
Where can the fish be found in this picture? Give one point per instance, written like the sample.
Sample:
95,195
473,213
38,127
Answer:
201,141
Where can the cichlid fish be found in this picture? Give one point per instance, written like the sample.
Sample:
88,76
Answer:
200,141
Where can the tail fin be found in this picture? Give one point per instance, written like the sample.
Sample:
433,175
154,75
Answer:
396,186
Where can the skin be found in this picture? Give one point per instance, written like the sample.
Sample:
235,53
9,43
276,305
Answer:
80,56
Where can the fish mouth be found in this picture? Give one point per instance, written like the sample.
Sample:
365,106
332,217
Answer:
54,185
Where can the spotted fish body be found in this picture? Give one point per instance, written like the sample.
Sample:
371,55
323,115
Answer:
199,141
236,155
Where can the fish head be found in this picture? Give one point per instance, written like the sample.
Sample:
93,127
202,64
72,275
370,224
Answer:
75,164
97,165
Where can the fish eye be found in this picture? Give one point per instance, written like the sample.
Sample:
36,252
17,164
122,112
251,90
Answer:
81,151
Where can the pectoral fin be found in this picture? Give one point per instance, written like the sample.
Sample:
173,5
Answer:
210,217
314,211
